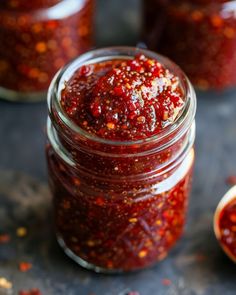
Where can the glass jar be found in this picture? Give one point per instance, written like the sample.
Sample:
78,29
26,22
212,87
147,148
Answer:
199,35
119,206
36,39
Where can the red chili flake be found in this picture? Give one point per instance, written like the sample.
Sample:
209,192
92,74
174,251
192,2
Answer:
232,217
96,109
100,201
85,70
109,264
231,180
197,15
30,292
142,253
66,204
111,125
217,21
200,257
118,90
25,266
21,232
76,181
5,284
4,238
166,282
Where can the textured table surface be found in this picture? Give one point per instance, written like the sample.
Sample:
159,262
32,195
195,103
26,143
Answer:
196,266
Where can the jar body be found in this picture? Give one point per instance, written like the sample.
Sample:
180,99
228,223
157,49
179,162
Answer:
200,36
119,206
38,38
109,226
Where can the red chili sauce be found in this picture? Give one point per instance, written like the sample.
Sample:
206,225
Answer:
199,35
123,100
37,38
227,226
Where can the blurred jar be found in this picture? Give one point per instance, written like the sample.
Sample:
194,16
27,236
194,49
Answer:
36,39
199,35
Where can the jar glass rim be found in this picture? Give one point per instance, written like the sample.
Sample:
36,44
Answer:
54,93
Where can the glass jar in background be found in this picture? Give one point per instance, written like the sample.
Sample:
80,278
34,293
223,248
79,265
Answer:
119,206
36,39
199,35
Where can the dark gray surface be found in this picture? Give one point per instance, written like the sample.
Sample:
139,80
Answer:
196,266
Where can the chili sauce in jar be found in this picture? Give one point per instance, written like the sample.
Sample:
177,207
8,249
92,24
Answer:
199,35
120,157
225,223
37,38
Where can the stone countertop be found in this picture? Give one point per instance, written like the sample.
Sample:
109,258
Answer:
197,266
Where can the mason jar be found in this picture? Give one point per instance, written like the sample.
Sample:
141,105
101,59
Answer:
199,35
118,205
37,38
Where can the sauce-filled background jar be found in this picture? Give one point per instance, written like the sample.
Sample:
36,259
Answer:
199,35
118,205
36,39
225,223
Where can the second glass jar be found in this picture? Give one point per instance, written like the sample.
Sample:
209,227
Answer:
199,35
36,39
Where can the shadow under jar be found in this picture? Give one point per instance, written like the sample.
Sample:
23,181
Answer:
119,205
36,39
199,35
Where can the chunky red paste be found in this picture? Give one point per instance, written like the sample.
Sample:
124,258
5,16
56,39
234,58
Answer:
38,37
115,209
123,99
199,35
227,227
